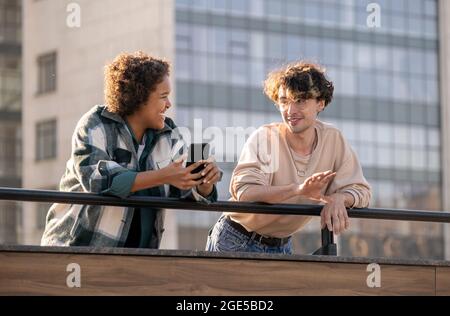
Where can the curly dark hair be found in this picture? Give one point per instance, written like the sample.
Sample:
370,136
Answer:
303,79
130,79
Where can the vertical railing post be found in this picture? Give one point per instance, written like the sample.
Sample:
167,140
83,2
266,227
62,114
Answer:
329,248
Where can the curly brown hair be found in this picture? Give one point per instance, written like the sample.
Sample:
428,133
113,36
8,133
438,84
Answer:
130,79
304,81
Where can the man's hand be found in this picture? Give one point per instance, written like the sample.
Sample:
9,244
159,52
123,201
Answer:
334,214
211,175
312,187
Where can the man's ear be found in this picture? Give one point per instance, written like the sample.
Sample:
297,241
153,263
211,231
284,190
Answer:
321,106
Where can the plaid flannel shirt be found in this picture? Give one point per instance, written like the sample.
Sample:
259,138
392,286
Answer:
102,149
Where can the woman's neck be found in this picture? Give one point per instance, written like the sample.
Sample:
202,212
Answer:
136,126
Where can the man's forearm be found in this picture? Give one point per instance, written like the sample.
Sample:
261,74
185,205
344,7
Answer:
268,194
347,198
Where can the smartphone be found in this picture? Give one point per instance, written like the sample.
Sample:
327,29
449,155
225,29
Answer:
196,152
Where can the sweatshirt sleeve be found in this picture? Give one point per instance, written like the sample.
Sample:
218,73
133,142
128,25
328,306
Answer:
255,165
349,175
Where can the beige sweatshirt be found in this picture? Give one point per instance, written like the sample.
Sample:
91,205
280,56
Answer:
266,159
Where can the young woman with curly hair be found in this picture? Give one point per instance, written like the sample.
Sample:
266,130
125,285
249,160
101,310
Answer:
127,147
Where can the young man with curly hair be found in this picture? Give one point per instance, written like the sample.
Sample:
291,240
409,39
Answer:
127,147
314,164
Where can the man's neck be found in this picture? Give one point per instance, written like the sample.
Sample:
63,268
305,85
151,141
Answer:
302,143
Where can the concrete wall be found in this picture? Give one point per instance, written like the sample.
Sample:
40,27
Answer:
108,27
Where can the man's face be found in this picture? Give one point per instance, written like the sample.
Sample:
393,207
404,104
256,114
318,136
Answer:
298,115
153,111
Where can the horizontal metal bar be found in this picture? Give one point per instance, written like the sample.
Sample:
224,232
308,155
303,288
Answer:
15,194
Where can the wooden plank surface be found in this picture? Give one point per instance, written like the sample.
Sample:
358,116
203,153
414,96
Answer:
442,281
45,274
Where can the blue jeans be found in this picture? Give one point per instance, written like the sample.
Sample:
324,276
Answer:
222,238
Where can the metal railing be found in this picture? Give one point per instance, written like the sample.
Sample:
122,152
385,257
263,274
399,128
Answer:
328,246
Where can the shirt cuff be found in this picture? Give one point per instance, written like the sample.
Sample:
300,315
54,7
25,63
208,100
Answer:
355,197
193,194
122,184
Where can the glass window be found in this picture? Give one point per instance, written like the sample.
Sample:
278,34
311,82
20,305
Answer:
418,136
183,3
431,28
385,133
239,71
294,50
431,64
257,74
367,132
47,73
399,23
418,159
218,39
347,54
199,67
274,8
398,6
416,60
384,85
402,135
330,14
385,157
182,66
366,84
402,157
400,61
239,43
416,26
257,7
347,83
199,39
382,58
311,47
433,137
330,49
257,45
46,140
365,56
416,88
430,7
349,130
311,12
293,9
219,5
275,46
434,160
367,155
239,6
415,6
199,4
400,85
432,91
183,42
346,15
218,69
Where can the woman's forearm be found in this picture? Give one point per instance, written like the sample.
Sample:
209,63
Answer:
148,179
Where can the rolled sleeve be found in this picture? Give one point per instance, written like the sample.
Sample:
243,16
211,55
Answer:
122,184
